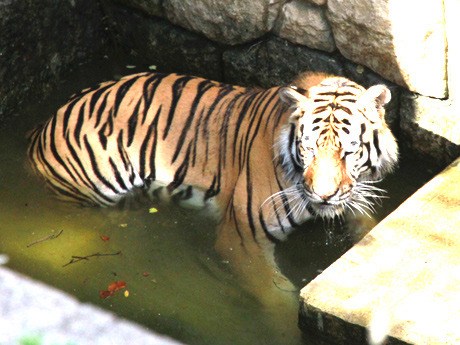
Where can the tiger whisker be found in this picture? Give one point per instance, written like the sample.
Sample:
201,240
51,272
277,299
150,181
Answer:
359,207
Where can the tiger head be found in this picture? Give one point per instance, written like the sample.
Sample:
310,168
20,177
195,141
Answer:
337,144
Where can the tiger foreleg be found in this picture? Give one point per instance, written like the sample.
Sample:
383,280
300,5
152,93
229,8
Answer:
252,262
253,265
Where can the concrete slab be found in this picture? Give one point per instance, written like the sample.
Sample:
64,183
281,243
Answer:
33,313
401,283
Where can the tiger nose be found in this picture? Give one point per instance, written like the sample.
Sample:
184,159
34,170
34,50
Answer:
326,195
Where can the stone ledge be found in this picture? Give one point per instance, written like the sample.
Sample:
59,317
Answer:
30,310
402,281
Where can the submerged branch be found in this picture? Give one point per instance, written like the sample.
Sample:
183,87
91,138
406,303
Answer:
47,238
75,258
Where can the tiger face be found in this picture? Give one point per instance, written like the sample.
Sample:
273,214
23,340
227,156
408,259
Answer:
341,144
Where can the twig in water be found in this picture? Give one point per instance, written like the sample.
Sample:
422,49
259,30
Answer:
47,238
75,258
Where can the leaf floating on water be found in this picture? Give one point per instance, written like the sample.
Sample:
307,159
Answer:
145,274
112,289
130,66
105,293
118,285
153,67
153,210
105,238
126,293
123,225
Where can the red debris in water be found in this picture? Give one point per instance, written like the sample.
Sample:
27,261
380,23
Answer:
112,288
145,274
104,294
105,238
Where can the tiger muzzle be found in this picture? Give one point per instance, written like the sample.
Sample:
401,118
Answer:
326,178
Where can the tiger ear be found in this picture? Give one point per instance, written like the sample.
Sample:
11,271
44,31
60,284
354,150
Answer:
379,94
294,99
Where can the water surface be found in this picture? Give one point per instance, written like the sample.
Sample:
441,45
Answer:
177,284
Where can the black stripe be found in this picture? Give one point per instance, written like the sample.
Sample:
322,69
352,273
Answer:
196,137
181,172
53,147
95,97
254,115
287,209
265,229
327,93
214,189
203,86
249,99
143,149
101,110
177,88
152,167
376,142
205,128
272,101
67,114
86,180
149,90
122,152
235,220
51,169
345,109
363,130
81,179
79,125
188,193
320,109
292,144
132,123
82,200
116,174
351,100
122,88
102,138
223,131
95,166
105,132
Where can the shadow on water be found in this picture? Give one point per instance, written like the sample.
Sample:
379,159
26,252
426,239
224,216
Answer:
177,284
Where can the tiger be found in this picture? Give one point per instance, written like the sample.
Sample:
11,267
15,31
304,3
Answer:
262,160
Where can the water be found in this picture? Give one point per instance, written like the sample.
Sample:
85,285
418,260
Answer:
177,284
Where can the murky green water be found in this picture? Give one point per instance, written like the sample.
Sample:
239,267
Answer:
177,284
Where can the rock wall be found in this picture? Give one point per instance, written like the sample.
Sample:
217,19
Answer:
265,42
40,41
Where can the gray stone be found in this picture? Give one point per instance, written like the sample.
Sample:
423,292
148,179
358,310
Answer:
228,22
430,128
274,61
379,35
40,42
155,41
302,23
151,7
31,312
317,2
